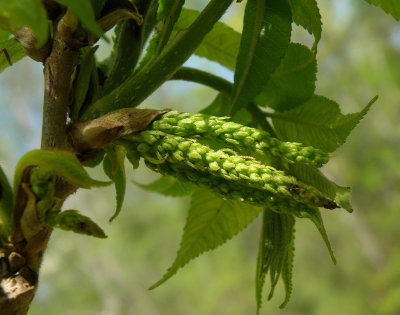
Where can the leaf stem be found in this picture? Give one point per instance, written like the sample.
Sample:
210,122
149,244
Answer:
202,77
254,37
260,117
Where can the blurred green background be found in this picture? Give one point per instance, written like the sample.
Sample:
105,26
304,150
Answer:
359,57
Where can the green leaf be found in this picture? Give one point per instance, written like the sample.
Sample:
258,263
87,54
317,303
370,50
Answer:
72,220
95,158
14,51
6,206
83,80
318,123
312,176
211,222
167,9
132,154
220,45
275,253
168,13
293,82
218,107
168,186
126,50
113,165
84,12
98,6
265,39
306,14
389,6
315,216
287,272
4,35
63,163
150,19
15,15
139,86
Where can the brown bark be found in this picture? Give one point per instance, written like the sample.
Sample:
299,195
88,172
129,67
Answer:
19,269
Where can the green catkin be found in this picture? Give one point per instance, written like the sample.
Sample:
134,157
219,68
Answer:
230,190
236,170
244,139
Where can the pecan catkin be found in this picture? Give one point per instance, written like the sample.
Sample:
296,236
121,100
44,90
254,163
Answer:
159,148
244,139
231,190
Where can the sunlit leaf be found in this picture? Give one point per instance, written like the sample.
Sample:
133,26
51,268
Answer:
139,86
63,163
4,35
287,272
168,13
15,15
84,11
306,14
265,38
275,253
218,107
318,123
72,220
210,223
113,165
220,45
168,186
14,51
389,6
312,176
293,82
315,216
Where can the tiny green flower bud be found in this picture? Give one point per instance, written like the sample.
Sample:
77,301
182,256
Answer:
143,147
214,166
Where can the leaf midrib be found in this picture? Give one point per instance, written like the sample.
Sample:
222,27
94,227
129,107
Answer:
199,235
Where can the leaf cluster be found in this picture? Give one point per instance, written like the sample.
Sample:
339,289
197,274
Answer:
273,90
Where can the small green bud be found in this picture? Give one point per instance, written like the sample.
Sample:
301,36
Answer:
71,220
42,181
200,126
240,135
214,166
185,145
149,138
249,141
194,155
143,148
227,165
230,127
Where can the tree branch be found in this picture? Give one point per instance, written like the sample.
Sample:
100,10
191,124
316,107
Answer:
58,69
20,267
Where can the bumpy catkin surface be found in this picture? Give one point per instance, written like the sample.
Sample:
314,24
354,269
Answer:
244,139
183,145
188,157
